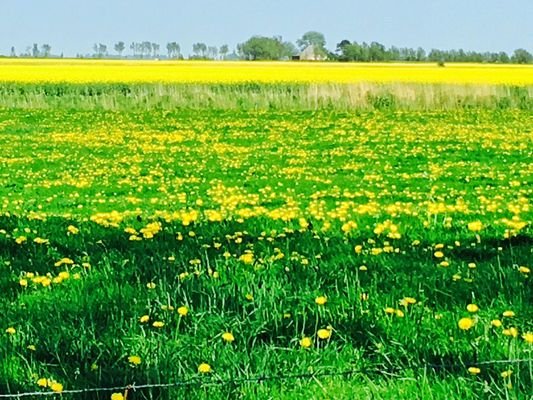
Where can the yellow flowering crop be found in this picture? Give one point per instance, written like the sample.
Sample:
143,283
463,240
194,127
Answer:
109,71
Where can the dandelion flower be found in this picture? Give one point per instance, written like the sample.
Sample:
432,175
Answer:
321,300
473,308
135,360
204,368
56,387
438,254
508,314
524,270
475,226
183,311
42,382
144,319
465,323
73,230
324,334
506,374
11,330
117,396
228,337
496,323
306,342
528,337
158,324
474,370
511,332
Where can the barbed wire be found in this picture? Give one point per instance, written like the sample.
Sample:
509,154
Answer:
213,381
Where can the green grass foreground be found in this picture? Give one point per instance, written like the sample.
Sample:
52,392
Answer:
132,242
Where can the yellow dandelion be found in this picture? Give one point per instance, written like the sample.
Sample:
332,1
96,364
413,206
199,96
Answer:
506,374
496,323
56,387
324,334
475,226
474,370
11,330
321,300
228,337
73,230
438,254
511,332
183,311
21,239
204,368
117,396
144,319
465,323
135,360
528,337
524,270
306,342
42,382
158,324
508,314
473,308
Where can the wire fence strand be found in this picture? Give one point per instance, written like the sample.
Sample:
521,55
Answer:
213,381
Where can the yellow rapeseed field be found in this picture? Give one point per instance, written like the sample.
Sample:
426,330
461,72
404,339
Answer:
109,71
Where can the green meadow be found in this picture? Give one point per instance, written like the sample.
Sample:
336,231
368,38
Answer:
263,242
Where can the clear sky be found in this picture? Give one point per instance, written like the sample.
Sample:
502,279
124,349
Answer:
73,27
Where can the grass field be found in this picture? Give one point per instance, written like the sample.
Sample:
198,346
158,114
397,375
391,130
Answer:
332,252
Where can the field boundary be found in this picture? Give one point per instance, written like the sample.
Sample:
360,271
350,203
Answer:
213,381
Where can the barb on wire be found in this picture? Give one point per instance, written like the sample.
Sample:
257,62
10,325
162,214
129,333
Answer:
214,381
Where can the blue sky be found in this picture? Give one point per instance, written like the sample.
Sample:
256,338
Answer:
74,26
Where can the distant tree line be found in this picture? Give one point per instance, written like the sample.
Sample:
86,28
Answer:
275,48
377,52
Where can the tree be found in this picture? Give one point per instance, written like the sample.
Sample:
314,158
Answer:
212,52
119,48
13,52
315,39
100,50
199,49
522,56
173,50
223,51
312,38
263,48
46,49
155,50
35,50
146,49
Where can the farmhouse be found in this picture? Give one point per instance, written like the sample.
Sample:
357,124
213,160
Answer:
311,53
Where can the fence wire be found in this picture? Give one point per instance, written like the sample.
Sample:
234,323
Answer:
213,381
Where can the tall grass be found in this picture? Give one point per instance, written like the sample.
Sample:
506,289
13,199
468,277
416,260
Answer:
250,96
